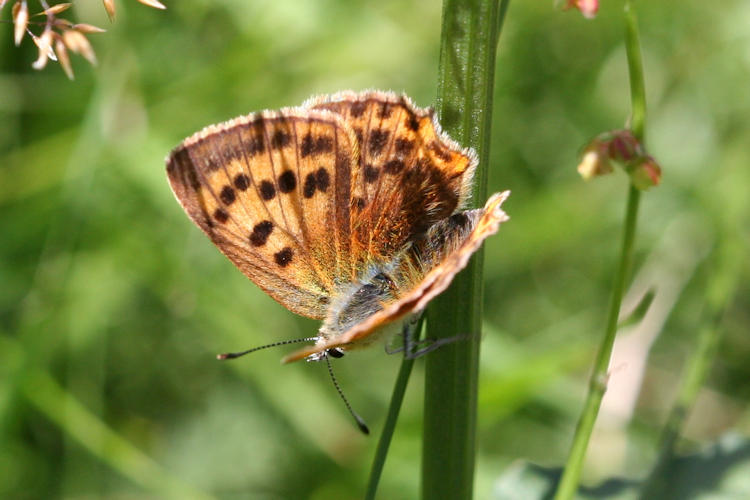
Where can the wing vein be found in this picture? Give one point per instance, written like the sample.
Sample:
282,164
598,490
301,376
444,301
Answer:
385,154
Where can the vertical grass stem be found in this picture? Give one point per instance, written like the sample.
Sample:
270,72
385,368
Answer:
568,485
470,31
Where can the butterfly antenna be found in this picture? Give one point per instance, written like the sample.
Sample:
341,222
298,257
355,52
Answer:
232,355
360,421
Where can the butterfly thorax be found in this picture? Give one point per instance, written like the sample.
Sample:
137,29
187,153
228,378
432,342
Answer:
359,300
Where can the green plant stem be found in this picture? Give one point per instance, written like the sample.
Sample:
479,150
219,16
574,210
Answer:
635,72
397,398
470,30
598,382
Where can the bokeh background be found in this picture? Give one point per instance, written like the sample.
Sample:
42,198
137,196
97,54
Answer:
113,305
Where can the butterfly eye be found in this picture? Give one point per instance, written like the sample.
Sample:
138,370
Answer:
335,352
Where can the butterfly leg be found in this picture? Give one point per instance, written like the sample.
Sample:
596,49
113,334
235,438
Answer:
426,346
410,329
393,350
412,346
416,347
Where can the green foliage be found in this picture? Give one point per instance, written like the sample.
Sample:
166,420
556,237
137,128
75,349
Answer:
112,305
719,470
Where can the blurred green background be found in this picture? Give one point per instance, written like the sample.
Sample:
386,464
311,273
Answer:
113,305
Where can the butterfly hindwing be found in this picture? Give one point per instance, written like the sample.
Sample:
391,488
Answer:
408,175
272,191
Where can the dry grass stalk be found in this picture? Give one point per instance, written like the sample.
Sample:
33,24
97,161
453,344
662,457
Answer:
20,14
55,9
44,43
109,6
62,56
78,43
88,28
58,32
153,3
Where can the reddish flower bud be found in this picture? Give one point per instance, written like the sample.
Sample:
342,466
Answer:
619,147
623,146
595,160
588,8
644,173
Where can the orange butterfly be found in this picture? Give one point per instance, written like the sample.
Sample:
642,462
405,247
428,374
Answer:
347,209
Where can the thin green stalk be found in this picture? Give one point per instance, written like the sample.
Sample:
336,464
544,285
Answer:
397,399
635,72
598,381
470,31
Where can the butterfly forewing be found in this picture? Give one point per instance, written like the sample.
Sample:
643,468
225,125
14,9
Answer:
272,191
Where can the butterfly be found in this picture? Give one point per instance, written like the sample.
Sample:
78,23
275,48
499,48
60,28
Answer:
348,209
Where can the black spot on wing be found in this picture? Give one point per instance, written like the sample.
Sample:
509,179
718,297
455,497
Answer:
412,123
404,146
261,232
287,182
358,108
283,257
267,190
377,141
312,146
221,215
241,182
255,144
280,139
323,179
371,174
308,190
227,195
